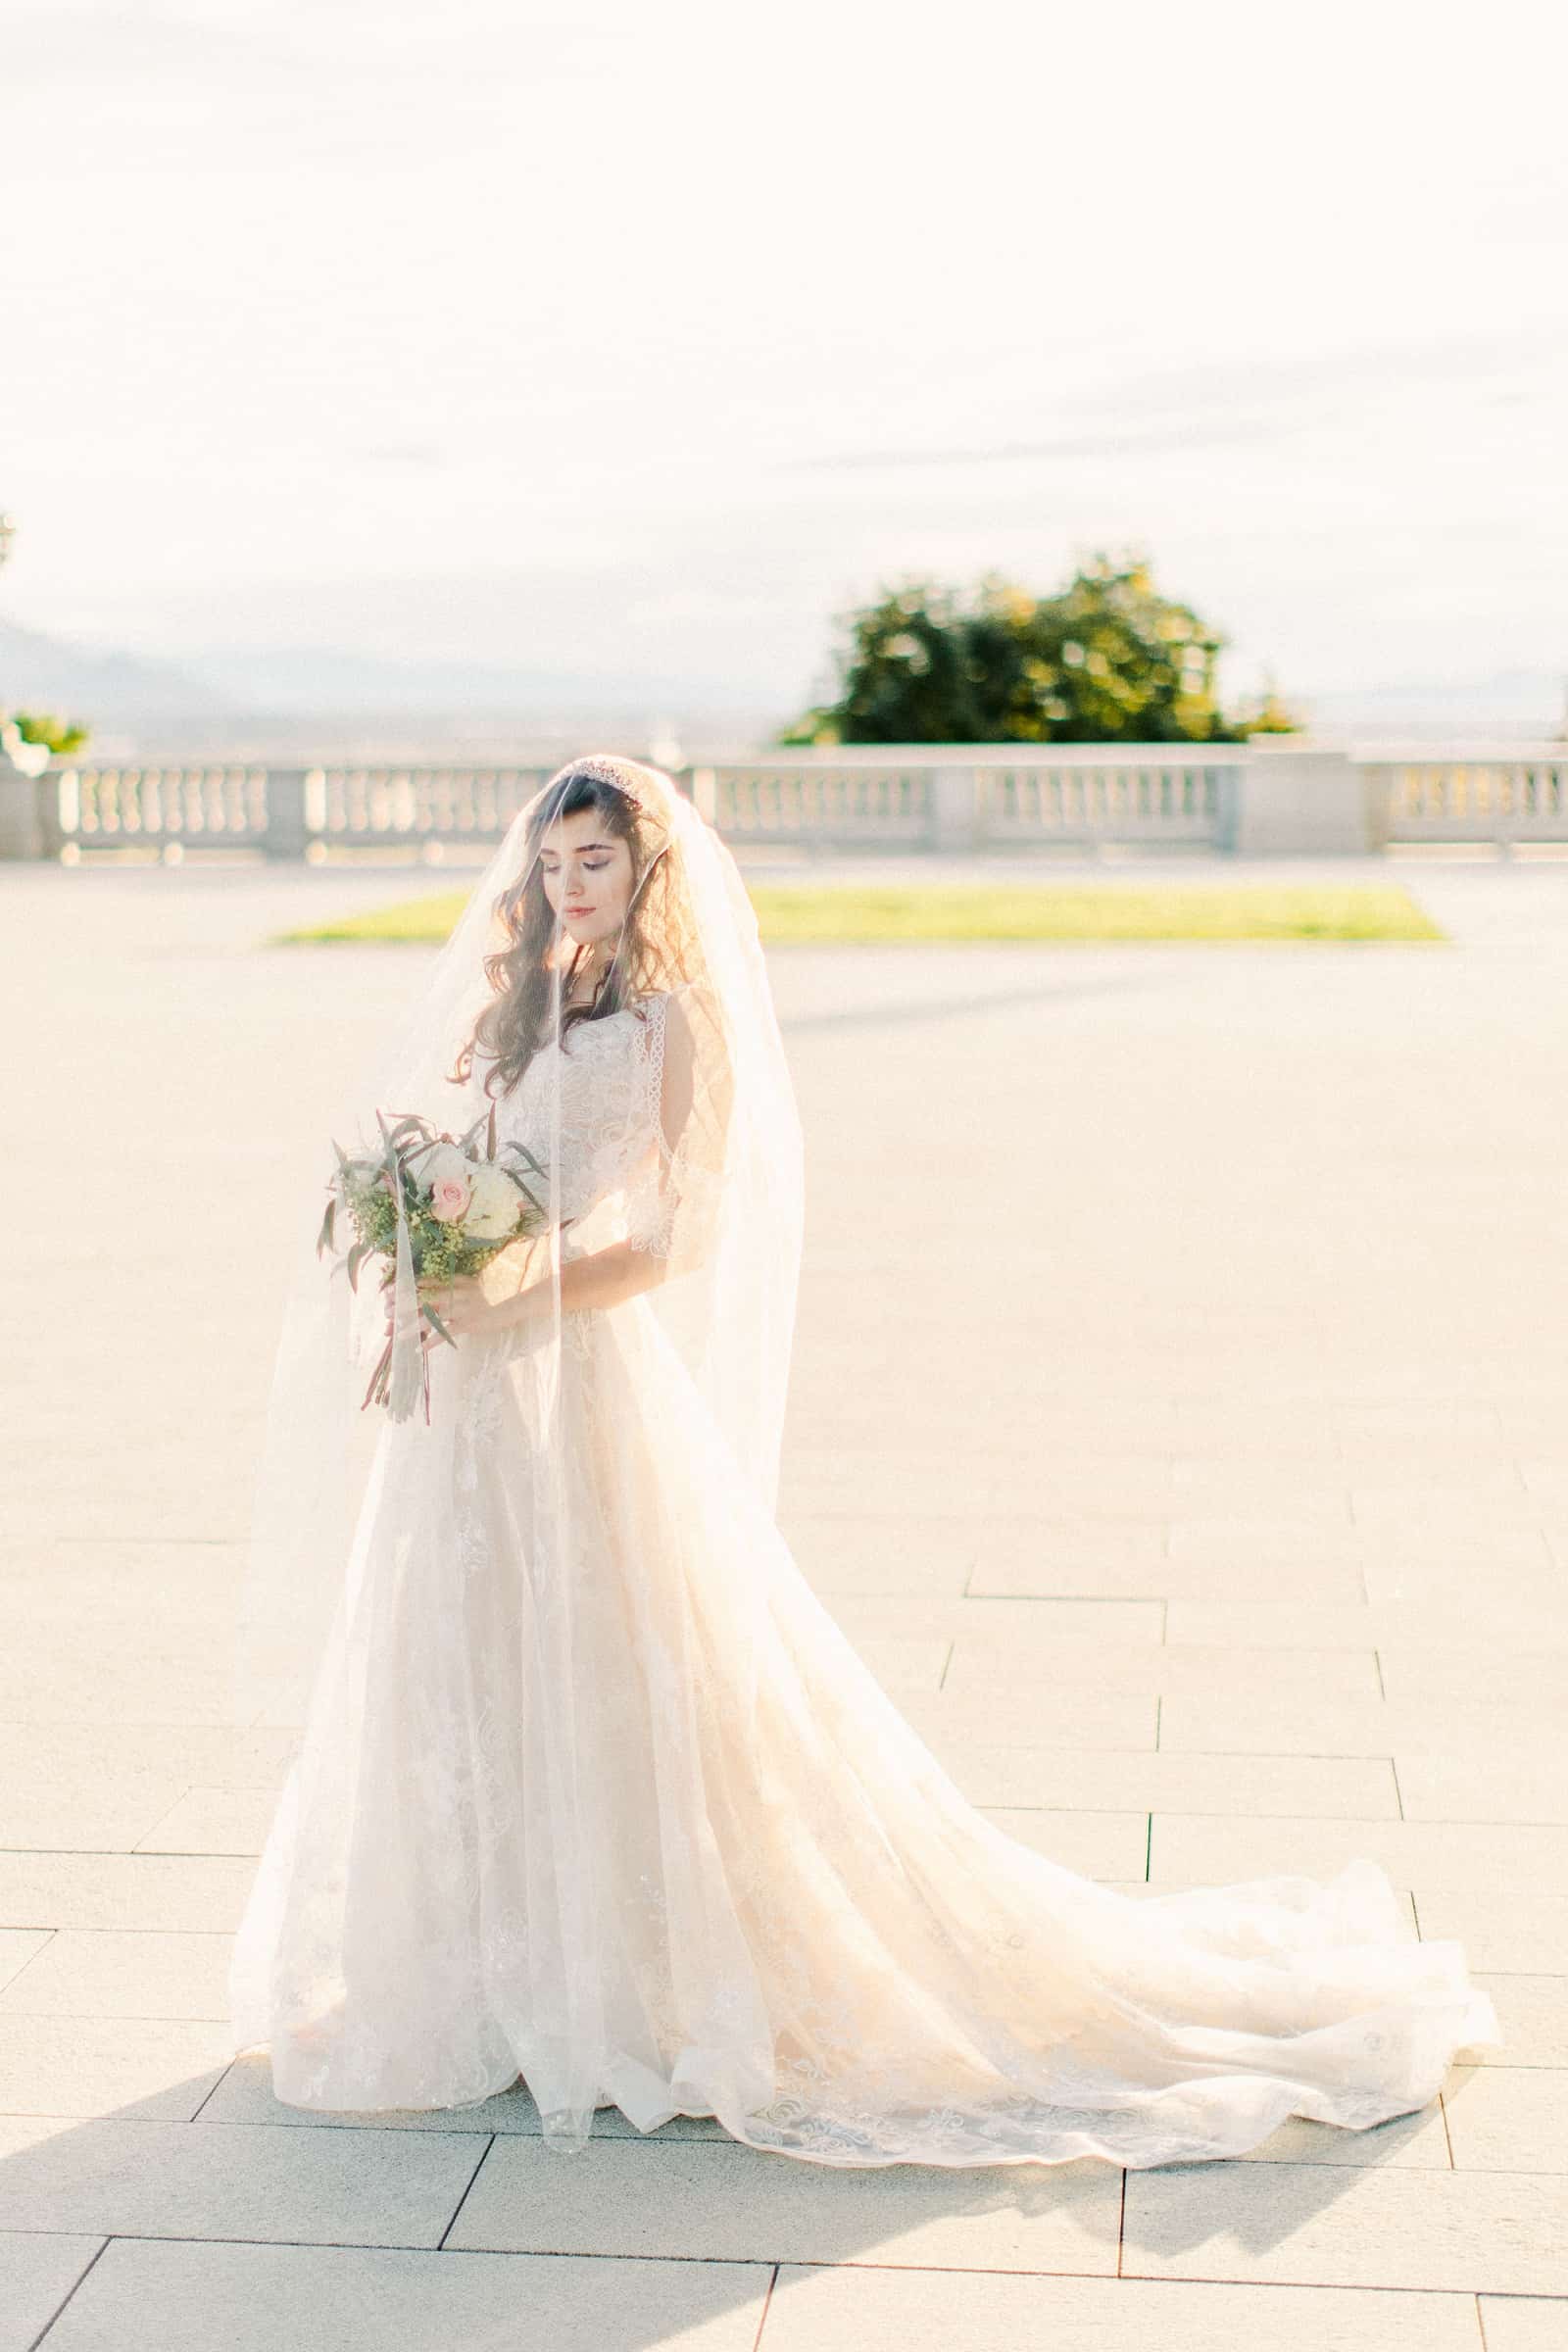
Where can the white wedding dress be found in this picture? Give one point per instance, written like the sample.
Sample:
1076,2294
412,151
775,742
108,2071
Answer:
528,1835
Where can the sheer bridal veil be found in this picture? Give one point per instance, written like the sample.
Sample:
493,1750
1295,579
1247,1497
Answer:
710,1186
588,1788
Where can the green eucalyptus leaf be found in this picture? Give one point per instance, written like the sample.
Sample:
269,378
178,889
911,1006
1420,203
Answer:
436,1324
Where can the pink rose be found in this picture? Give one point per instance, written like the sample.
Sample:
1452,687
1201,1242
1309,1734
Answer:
448,1200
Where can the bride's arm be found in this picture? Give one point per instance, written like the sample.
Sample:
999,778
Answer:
604,1278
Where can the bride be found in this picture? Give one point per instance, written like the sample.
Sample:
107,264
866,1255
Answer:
587,1789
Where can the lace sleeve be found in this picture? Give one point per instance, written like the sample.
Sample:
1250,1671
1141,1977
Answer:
673,1208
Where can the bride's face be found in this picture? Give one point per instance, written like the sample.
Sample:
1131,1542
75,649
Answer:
587,876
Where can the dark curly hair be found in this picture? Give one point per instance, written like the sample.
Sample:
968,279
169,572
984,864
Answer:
647,954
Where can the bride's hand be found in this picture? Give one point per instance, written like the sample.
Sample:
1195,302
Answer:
427,1337
467,1311
451,1301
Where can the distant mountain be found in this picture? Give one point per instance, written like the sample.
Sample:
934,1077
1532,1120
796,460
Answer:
97,685
1523,702
305,702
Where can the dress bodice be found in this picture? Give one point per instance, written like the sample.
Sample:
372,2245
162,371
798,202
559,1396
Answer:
588,1108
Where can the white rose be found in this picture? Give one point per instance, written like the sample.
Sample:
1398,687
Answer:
493,1204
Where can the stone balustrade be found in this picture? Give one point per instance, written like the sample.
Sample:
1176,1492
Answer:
1277,795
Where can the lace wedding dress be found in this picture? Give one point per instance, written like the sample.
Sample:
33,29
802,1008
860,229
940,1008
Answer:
558,1813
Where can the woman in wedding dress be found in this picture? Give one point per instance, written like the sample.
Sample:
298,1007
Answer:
588,1789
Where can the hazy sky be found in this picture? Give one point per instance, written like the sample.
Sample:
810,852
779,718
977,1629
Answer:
642,340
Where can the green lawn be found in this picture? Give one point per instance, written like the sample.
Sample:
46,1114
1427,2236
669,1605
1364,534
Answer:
844,915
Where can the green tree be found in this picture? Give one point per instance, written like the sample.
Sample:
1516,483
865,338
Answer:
1106,660
60,734
1271,717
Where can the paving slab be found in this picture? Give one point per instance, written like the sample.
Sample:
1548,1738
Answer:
1524,2322
216,1755
1524,1932
1085,1559
1495,2114
906,1662
1532,2012
1398,1625
733,2203
1536,1675
840,1553
1207,1849
123,1972
194,2299
179,1687
1354,1788
1119,1624
37,2275
1144,1889
153,2069
897,1482
157,2180
190,1892
80,1811
1323,2225
1098,1845
1527,1574
211,1821
982,1665
856,2308
1310,1547
18,1947
1249,1720
1530,1783
1066,1716
1309,1483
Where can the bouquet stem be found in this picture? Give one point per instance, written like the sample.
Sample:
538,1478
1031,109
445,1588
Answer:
379,1391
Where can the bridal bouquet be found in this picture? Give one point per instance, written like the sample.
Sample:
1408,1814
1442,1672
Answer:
457,1206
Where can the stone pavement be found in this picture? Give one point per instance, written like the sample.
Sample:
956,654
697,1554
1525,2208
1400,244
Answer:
1176,1427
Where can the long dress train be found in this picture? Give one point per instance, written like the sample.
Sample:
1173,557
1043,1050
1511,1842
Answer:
528,1835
